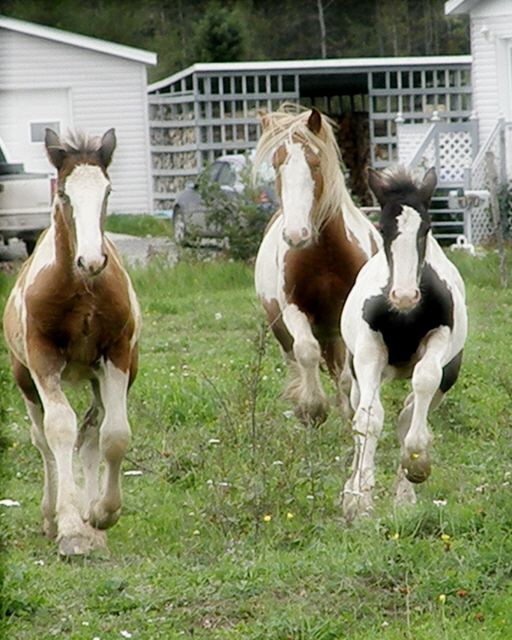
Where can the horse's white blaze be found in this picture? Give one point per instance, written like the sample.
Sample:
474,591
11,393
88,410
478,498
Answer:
404,291
86,187
297,195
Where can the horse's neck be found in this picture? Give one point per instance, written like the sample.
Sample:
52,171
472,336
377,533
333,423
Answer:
353,229
63,239
336,240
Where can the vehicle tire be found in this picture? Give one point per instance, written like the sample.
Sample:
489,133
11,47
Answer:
180,230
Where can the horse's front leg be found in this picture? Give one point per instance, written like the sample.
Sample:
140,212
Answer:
114,437
426,383
35,411
305,390
403,489
57,444
369,361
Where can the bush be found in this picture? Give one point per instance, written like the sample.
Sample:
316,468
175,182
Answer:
240,217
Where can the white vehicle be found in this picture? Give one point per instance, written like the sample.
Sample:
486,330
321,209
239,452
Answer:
25,202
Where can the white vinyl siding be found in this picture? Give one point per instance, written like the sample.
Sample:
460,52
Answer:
104,91
491,33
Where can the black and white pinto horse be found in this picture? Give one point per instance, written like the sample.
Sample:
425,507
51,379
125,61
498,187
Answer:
405,317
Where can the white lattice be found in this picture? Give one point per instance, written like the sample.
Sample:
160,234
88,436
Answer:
455,155
410,137
481,225
428,158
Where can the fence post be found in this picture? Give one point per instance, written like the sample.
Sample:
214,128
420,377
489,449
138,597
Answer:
492,177
503,153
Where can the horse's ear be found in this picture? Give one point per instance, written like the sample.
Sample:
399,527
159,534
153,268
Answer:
427,186
108,144
315,121
54,150
376,185
264,119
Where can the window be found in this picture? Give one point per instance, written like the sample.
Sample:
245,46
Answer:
37,130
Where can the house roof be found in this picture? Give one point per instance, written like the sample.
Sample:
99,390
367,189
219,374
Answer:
77,40
459,6
330,65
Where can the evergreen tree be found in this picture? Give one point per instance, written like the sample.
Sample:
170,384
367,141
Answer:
219,36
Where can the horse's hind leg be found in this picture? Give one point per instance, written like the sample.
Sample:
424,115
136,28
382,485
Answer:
114,437
335,356
88,445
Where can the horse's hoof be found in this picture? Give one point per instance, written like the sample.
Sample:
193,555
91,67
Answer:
100,518
81,545
50,529
314,415
416,467
355,504
403,490
344,406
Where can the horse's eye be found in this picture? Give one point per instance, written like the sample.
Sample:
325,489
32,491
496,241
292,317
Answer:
316,168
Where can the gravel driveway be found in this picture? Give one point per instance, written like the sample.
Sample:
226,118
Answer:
134,250
137,250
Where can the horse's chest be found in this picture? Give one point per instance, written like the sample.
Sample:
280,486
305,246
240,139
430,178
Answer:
404,332
81,326
317,282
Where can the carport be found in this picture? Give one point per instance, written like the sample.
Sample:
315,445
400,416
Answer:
212,108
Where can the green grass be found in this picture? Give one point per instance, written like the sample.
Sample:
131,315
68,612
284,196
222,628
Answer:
138,225
233,529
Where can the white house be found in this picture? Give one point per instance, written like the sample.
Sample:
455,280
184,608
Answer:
55,78
491,70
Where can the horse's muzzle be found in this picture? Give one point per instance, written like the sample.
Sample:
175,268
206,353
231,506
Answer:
296,239
404,299
92,267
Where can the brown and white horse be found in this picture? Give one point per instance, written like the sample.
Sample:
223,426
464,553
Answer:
73,315
311,253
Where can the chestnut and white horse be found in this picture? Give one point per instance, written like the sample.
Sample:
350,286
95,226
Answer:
311,253
405,317
73,315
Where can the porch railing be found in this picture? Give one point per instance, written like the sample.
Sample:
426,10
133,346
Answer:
449,147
